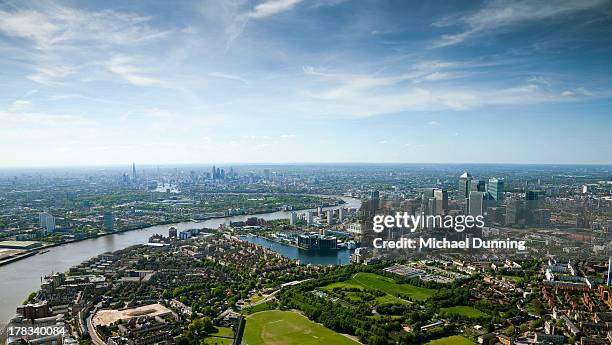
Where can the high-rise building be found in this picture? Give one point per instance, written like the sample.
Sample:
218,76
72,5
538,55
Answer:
477,186
369,209
495,189
476,203
515,212
214,173
441,197
134,172
610,271
47,221
293,218
464,185
172,232
330,216
309,219
108,221
340,215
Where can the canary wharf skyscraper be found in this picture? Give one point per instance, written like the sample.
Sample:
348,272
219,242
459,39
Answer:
495,189
464,185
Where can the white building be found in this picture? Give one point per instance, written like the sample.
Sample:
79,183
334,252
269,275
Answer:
47,221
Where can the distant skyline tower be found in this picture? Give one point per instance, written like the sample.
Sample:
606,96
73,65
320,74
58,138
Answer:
495,189
464,185
441,197
477,186
369,208
476,204
133,171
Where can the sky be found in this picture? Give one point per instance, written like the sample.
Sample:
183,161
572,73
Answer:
292,81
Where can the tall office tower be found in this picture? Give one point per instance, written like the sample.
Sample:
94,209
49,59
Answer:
610,271
108,221
476,204
214,173
340,215
320,211
464,185
441,197
330,216
293,218
428,192
47,221
309,220
515,212
431,208
495,189
133,171
368,210
266,173
477,186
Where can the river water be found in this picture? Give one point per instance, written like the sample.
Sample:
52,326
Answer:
19,279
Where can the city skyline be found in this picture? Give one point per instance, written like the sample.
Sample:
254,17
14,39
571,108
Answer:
290,81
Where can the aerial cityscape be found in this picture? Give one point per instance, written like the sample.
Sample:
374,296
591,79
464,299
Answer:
292,172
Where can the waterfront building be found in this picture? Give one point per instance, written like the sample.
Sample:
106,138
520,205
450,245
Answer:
330,216
317,242
309,218
108,221
293,218
172,232
47,221
341,215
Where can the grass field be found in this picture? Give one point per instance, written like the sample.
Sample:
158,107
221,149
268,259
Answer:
387,285
515,278
223,336
452,340
465,311
277,327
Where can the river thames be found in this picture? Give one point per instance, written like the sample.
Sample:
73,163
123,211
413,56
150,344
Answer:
19,279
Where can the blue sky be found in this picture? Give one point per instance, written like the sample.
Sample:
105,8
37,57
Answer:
111,82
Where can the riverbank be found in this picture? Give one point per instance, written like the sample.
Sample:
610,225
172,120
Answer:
48,245
20,278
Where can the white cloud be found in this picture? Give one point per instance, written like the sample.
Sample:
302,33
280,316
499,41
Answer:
51,24
272,7
501,14
227,76
127,68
